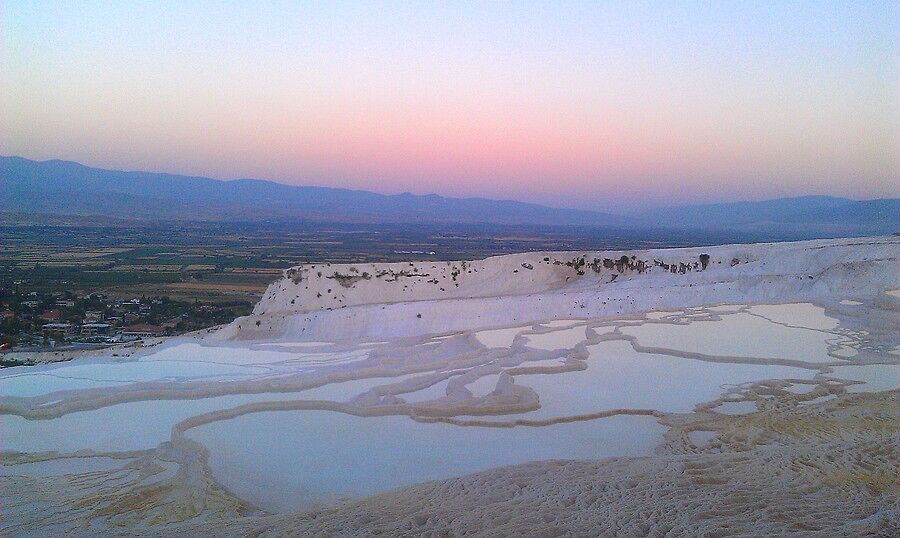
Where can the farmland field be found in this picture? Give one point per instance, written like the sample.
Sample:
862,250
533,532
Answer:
214,262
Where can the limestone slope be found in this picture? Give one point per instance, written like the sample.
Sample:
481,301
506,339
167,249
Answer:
351,301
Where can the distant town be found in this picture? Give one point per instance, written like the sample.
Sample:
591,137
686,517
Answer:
41,321
73,283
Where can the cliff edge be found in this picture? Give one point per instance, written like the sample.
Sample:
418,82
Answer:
339,301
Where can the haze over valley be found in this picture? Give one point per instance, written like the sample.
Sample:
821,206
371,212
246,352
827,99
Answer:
67,188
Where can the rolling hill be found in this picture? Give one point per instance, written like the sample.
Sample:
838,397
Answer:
66,188
62,187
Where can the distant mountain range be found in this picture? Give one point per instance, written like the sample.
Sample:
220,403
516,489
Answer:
67,188
819,214
63,187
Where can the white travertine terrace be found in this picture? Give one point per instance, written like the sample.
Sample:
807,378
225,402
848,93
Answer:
722,380
313,301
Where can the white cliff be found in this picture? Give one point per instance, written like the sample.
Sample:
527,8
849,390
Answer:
348,301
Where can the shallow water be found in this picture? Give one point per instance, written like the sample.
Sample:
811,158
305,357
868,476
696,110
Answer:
845,352
736,335
877,377
617,376
798,314
254,354
701,438
483,385
291,460
219,354
108,373
144,425
563,339
801,388
434,392
500,337
318,457
27,385
180,363
820,399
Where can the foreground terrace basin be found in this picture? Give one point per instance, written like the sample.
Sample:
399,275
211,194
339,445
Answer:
341,386
348,456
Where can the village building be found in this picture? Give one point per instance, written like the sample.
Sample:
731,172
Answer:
143,330
57,329
96,329
51,315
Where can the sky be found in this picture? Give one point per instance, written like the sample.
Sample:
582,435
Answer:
598,105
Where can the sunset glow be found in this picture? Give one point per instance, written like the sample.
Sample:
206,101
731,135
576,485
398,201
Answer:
591,105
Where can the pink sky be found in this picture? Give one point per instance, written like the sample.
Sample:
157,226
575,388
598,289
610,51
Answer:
583,105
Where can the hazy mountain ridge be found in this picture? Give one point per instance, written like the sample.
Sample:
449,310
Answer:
68,188
802,209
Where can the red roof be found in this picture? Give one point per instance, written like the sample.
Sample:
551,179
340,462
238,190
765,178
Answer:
144,328
51,315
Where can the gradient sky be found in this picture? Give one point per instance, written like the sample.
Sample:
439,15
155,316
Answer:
585,104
